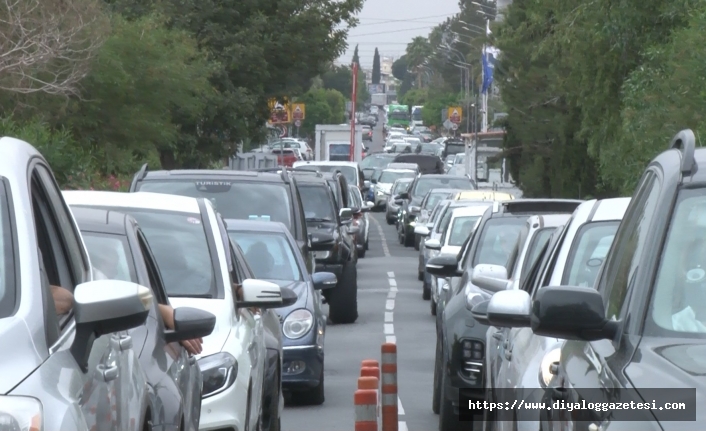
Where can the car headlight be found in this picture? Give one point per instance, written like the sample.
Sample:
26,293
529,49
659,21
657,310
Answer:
545,373
297,324
20,413
473,299
219,372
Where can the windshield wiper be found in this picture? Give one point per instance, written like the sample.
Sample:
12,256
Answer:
317,219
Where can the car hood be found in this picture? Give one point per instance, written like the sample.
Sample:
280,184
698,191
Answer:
385,187
15,332
225,319
300,288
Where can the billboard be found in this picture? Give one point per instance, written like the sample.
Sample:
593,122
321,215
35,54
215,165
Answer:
280,111
376,88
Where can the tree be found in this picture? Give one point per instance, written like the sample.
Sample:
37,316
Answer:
340,78
356,59
322,107
418,51
399,68
376,67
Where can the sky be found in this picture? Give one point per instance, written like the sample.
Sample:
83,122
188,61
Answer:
390,25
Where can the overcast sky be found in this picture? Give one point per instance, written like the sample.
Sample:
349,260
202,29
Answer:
390,25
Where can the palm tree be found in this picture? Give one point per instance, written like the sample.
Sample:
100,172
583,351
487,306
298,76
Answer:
417,53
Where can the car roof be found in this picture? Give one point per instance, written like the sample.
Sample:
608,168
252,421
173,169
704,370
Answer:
441,190
405,180
439,175
310,179
399,170
548,220
473,210
483,195
200,174
527,207
100,220
143,200
602,210
255,225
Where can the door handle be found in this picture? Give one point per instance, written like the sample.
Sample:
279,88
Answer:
498,335
108,373
125,343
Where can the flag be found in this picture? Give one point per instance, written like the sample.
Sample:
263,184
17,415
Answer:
489,55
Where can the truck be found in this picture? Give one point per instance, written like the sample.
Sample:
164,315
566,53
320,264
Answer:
398,116
333,142
378,99
417,115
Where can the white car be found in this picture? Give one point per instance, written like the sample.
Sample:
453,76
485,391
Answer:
233,358
383,184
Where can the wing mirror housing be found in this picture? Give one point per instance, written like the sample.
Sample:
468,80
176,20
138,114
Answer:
445,266
103,307
345,215
324,280
190,323
509,309
431,244
322,242
263,294
492,278
571,313
421,230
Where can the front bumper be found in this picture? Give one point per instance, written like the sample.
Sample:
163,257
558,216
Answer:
302,366
219,412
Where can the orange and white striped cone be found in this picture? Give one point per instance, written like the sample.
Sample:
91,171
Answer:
369,363
370,372
366,402
390,414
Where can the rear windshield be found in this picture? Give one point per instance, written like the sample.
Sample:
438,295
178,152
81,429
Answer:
317,203
243,200
339,149
401,187
389,177
455,148
349,172
425,184
435,198
269,255
110,256
374,162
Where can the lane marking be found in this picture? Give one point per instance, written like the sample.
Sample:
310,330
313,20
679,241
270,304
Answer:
402,426
389,329
385,248
389,316
391,295
393,289
400,410
390,304
391,274
393,282
390,339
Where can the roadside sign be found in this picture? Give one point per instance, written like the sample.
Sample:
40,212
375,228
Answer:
298,111
455,114
454,126
282,131
280,111
298,123
448,124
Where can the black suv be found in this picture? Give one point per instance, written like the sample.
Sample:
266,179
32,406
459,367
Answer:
410,202
245,195
328,218
641,326
460,350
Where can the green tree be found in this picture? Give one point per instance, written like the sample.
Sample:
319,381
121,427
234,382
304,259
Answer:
340,78
434,105
376,67
322,107
399,68
417,96
356,58
418,51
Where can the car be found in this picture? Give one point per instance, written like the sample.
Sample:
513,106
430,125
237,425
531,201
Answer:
409,166
304,322
329,216
200,266
374,161
427,205
493,242
360,226
236,194
351,170
483,195
414,141
382,185
367,133
303,147
453,146
399,147
392,208
118,250
428,164
61,327
648,291
573,258
429,148
410,201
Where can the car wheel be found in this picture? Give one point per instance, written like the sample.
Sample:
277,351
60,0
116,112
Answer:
343,301
400,238
390,221
416,242
361,253
366,246
408,240
432,305
448,421
420,275
437,378
315,396
426,291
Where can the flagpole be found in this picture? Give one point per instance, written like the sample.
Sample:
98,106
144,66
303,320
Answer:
484,124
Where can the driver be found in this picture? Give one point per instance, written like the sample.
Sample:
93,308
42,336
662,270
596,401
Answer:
260,260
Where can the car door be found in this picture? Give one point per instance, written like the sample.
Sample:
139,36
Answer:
101,395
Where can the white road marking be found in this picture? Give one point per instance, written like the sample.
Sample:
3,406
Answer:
402,426
400,410
389,329
390,339
393,282
393,289
391,295
385,248
389,316
390,304
391,274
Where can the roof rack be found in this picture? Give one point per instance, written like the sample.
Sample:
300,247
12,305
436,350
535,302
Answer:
142,173
686,142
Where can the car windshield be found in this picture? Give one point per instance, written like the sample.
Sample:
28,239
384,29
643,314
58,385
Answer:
354,197
350,172
398,115
244,200
389,177
374,162
498,240
459,158
8,285
425,184
461,229
317,203
401,148
455,147
429,148
588,252
268,254
339,149
679,295
178,242
109,256
435,198
539,240
417,114
401,186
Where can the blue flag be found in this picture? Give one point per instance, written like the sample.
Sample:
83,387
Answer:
489,56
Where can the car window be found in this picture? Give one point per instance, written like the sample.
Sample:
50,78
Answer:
630,239
110,256
269,255
539,240
425,184
317,203
8,286
244,200
178,242
400,187
389,177
434,199
374,162
588,252
679,295
445,218
498,240
350,172
461,229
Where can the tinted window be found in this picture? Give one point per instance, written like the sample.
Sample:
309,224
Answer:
375,162
455,147
445,218
428,148
269,255
417,114
389,177
317,203
401,186
178,242
539,240
434,199
498,240
350,172
8,288
461,229
110,256
588,252
339,149
236,200
354,197
425,184
398,115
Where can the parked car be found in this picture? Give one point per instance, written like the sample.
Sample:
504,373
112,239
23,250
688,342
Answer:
428,164
272,253
327,221
382,185
483,195
200,266
392,208
63,366
458,369
236,194
410,202
360,226
119,251
350,170
576,257
432,197
367,133
374,161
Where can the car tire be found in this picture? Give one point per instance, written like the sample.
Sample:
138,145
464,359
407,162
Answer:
432,306
426,291
408,240
448,420
435,398
361,253
314,396
343,300
420,275
400,238
416,242
390,221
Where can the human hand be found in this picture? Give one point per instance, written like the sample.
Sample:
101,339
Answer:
193,346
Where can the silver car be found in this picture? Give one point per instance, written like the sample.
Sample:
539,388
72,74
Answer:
360,222
398,187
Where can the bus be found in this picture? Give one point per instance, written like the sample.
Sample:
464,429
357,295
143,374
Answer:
398,116
417,115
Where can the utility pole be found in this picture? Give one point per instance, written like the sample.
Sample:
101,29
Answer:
353,102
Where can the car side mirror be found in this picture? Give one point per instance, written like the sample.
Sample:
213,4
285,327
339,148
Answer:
431,244
490,277
421,230
403,195
443,266
103,307
262,294
322,242
571,313
190,323
510,309
324,280
345,215
370,205
480,313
